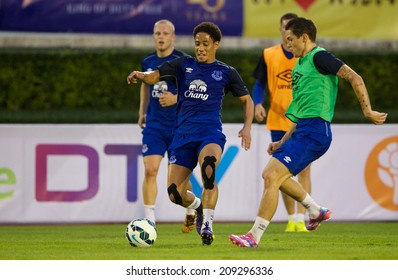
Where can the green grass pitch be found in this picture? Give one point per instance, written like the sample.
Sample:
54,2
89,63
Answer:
332,241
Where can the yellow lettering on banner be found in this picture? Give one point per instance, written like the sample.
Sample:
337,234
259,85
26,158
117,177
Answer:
345,19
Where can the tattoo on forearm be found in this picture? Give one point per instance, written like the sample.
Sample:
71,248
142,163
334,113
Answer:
345,74
361,96
358,85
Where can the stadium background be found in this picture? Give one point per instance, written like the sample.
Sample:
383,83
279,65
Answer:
65,62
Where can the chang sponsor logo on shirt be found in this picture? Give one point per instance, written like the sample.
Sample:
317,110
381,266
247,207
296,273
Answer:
197,90
158,89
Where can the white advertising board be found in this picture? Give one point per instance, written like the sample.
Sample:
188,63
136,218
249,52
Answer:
93,173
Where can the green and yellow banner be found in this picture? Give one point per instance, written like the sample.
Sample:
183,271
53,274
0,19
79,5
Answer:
342,19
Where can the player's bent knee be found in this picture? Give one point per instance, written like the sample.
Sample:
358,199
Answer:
172,190
208,181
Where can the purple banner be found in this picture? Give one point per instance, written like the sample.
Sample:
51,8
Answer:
118,16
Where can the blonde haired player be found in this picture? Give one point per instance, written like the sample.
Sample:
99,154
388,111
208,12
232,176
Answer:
157,116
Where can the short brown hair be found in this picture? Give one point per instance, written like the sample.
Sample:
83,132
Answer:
300,26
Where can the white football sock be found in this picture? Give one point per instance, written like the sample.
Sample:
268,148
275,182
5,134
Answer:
208,215
291,217
150,212
311,206
300,217
258,229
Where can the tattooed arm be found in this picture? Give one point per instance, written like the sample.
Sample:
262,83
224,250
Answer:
358,85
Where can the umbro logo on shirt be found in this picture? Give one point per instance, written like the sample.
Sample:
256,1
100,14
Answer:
285,75
188,70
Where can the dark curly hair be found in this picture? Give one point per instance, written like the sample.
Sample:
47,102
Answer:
210,28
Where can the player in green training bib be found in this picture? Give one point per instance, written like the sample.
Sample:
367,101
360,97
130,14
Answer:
314,93
315,79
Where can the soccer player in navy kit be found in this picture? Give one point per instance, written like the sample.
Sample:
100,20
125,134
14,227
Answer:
157,116
202,84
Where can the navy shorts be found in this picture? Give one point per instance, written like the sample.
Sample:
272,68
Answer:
309,142
185,148
156,141
277,135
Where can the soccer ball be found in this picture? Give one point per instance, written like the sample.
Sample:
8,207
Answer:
141,233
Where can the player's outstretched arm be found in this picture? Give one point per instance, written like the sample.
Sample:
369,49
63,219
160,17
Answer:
358,85
149,78
248,113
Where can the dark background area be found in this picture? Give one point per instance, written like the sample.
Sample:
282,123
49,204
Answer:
89,85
